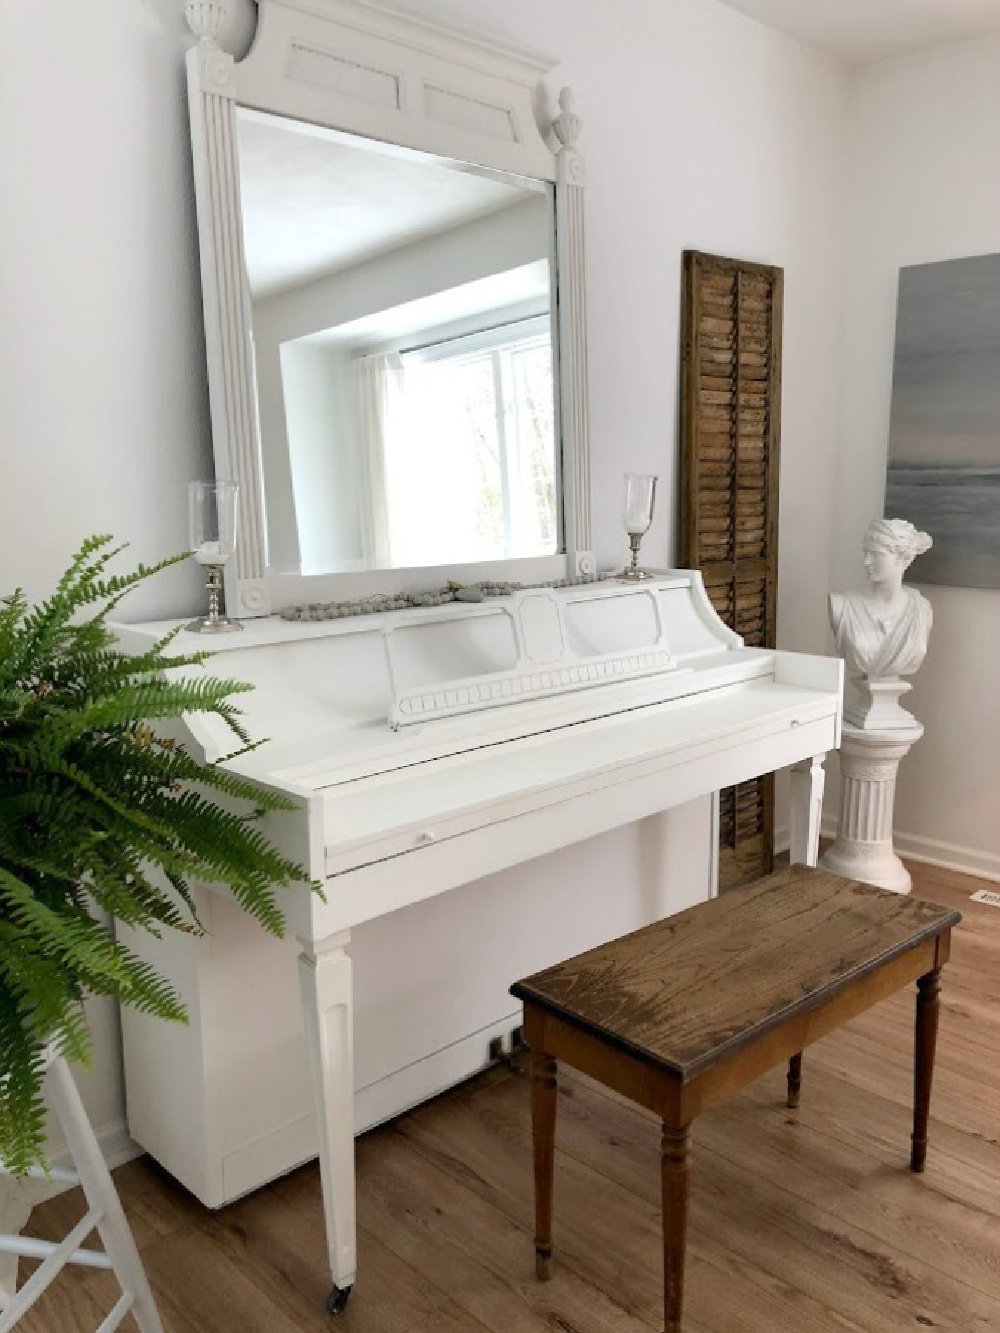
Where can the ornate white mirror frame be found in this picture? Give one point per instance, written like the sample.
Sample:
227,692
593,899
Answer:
392,75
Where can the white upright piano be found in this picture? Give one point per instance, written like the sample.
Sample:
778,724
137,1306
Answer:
427,749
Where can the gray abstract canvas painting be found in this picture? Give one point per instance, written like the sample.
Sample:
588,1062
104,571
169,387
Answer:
944,435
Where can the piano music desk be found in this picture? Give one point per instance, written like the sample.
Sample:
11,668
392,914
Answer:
682,1014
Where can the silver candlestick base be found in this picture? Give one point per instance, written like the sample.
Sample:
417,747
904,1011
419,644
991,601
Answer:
634,574
213,623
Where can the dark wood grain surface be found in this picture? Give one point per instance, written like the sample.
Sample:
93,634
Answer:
689,990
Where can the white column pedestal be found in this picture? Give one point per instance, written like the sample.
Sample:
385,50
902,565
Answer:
869,762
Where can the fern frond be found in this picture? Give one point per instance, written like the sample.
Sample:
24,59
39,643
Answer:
101,813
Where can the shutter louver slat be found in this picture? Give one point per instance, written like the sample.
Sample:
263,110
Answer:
730,430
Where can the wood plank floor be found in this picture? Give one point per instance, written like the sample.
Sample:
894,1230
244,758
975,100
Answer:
801,1222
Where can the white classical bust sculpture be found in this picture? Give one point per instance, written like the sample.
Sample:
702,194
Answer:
882,632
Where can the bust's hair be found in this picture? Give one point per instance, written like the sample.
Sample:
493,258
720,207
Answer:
898,536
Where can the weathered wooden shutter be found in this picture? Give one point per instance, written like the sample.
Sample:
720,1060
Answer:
730,433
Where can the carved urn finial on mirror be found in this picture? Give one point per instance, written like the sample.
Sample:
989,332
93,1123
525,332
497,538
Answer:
205,18
567,125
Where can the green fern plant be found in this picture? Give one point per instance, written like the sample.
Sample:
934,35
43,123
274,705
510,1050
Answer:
101,812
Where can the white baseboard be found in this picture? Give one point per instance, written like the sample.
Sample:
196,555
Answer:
948,855
929,851
116,1147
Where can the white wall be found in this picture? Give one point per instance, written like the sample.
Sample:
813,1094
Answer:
701,129
925,144
103,400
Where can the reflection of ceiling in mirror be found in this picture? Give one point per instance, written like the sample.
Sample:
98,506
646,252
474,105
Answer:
314,202
515,293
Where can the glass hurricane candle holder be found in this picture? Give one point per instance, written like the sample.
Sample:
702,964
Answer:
640,496
212,526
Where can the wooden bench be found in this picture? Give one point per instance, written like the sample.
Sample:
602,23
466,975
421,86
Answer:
684,1013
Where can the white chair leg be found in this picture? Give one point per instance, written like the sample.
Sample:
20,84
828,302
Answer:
105,1215
97,1185
17,1198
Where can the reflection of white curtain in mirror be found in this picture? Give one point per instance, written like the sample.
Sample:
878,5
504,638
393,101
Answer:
471,474
379,387
436,472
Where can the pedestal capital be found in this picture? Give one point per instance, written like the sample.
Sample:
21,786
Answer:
860,745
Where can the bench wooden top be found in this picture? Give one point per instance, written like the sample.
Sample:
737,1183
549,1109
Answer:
692,989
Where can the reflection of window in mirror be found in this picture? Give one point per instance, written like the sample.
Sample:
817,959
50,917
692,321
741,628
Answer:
471,464
402,311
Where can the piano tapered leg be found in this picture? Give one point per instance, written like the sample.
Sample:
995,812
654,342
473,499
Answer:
808,781
328,1008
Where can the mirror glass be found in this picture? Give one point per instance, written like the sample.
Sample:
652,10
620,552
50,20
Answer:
402,311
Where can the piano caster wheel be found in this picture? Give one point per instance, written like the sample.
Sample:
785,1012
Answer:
337,1299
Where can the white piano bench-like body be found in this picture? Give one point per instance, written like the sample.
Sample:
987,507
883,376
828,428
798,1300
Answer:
432,754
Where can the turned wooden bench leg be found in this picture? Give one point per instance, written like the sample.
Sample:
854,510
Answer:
794,1080
674,1167
928,1009
543,1131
